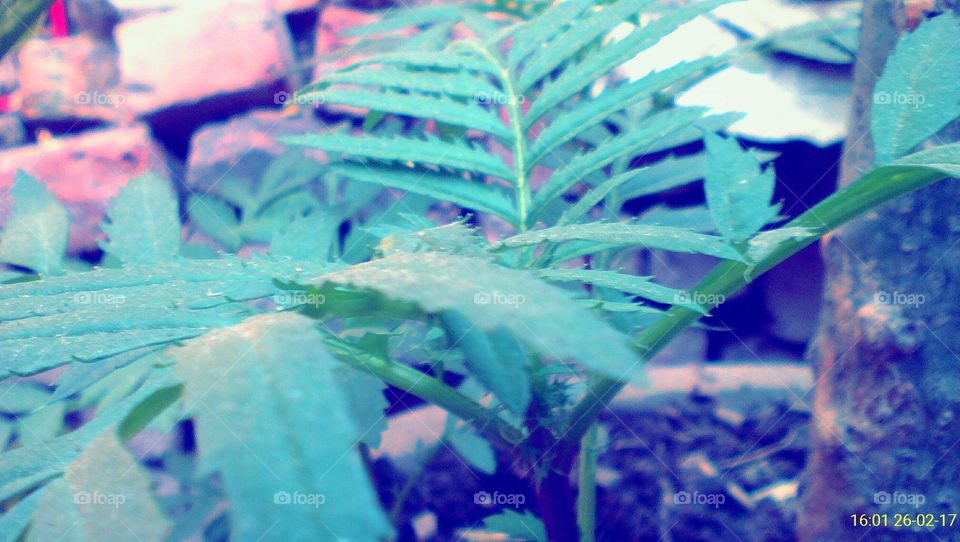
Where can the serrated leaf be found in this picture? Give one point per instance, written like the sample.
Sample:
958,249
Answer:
738,190
917,96
630,284
433,60
144,222
494,298
496,358
441,186
457,83
562,48
102,491
95,315
405,149
663,237
569,124
634,142
405,19
309,238
36,233
538,31
255,392
365,402
422,106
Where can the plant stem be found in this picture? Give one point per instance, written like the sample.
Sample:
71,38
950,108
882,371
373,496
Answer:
587,485
514,104
873,189
411,482
431,390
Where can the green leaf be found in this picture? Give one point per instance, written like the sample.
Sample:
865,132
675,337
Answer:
37,230
441,186
562,48
630,284
516,525
460,84
662,237
102,491
430,151
634,142
917,96
309,238
539,30
433,60
588,113
590,200
738,189
15,520
496,358
144,223
405,19
585,72
92,316
271,420
494,298
422,106
365,402
471,447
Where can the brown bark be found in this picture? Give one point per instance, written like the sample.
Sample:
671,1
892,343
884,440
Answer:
887,377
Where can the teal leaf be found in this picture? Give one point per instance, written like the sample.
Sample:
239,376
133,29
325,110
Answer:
440,186
309,238
515,525
102,491
429,151
471,447
37,230
617,233
917,94
495,298
272,421
144,222
738,189
629,284
496,358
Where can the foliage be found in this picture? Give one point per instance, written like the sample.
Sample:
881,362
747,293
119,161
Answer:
280,359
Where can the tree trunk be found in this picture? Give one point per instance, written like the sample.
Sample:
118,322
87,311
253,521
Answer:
886,434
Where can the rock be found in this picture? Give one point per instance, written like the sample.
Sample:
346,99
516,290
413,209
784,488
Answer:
243,147
84,172
68,78
291,6
8,75
333,22
12,132
204,50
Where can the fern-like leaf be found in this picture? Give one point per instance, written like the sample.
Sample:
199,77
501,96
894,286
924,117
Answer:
144,223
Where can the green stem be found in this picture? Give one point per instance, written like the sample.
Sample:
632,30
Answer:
431,390
519,137
587,483
401,498
875,188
